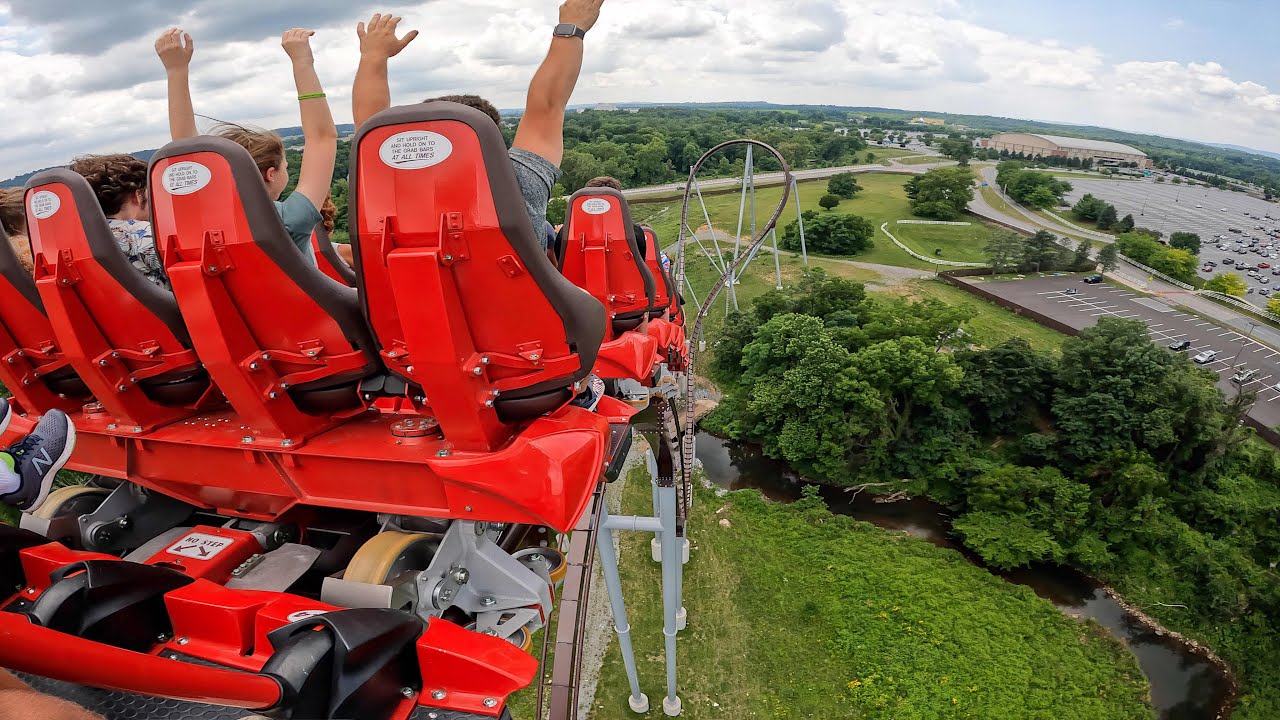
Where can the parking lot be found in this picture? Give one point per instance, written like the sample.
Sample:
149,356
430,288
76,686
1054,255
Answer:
1080,305
1171,208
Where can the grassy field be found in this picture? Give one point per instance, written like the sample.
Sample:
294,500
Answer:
922,160
958,244
991,324
798,613
994,200
886,153
881,200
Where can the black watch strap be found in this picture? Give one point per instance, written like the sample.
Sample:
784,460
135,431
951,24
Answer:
566,30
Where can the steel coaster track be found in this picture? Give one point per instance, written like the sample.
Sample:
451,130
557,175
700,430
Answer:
689,431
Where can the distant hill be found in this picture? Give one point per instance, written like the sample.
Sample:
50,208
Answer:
1254,151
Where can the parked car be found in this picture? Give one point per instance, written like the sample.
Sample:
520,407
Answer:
1211,263
1228,261
1093,279
1243,376
1263,266
1180,345
1071,291
1264,291
1206,356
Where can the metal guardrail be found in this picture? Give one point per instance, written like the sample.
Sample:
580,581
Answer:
884,228
930,222
1237,302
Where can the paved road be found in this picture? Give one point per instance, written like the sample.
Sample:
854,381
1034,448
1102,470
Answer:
801,175
1166,323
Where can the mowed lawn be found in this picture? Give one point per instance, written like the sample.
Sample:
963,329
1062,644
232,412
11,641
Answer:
882,200
945,242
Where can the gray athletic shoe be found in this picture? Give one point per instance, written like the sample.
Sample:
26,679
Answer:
6,414
38,457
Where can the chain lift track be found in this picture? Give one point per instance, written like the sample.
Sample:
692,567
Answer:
689,429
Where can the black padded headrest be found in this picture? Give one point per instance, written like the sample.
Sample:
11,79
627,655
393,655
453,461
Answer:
650,288
582,315
102,244
15,274
269,234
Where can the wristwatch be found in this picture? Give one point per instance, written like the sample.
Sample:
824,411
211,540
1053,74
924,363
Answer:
568,30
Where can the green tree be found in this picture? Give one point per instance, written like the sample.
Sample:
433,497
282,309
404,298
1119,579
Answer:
1107,257
1185,241
1004,250
843,185
957,148
1125,224
828,202
556,209
941,193
1107,218
1007,387
1176,263
1088,207
829,234
1081,260
1273,305
1039,251
871,157
1227,283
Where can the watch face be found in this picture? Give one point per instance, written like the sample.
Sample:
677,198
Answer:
565,30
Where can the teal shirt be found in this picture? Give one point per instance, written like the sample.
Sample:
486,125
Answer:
300,219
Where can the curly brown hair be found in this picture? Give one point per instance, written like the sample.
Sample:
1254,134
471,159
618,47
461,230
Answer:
328,214
13,215
266,147
604,181
113,178
472,101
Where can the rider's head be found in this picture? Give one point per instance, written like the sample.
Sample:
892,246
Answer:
13,216
473,101
119,181
604,181
267,150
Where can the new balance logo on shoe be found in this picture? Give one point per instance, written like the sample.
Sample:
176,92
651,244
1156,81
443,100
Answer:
42,460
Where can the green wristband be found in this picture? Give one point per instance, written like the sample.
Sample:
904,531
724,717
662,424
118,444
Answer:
311,96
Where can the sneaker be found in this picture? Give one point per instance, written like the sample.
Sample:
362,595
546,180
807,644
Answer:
38,457
590,396
6,414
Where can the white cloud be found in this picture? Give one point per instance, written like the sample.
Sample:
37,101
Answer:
1174,23
76,83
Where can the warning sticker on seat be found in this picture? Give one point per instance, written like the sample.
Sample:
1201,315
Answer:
184,178
305,615
415,149
44,204
596,206
199,546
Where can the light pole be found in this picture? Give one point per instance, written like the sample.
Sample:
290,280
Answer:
1248,338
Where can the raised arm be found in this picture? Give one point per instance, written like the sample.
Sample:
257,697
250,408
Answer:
177,65
371,93
320,136
541,129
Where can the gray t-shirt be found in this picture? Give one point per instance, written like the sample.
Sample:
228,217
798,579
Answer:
300,219
536,176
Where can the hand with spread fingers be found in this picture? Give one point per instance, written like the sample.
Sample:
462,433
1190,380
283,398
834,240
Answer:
175,49
378,38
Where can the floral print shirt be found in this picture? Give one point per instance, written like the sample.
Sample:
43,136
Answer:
136,240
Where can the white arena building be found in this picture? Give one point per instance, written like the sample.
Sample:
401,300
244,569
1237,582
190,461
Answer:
1099,151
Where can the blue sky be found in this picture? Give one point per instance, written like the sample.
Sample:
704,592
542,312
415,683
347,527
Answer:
1241,36
82,77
